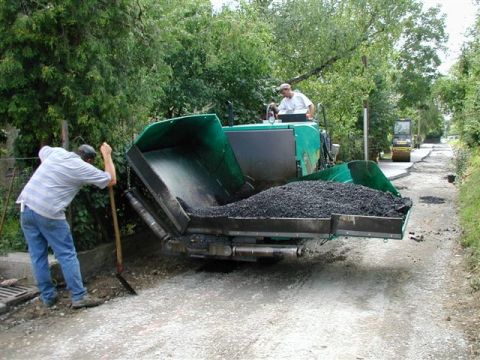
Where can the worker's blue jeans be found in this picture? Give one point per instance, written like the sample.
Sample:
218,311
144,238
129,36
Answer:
41,232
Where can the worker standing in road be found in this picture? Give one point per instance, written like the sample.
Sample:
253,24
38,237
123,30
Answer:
293,101
43,201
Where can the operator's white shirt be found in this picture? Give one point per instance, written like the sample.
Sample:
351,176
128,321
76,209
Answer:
297,102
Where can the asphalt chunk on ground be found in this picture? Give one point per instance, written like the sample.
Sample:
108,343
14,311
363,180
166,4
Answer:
312,199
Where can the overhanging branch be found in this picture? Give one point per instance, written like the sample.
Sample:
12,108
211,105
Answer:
331,60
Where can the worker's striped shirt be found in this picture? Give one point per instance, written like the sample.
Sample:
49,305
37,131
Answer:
57,180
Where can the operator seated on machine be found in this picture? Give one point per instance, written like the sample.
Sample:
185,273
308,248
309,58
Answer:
294,102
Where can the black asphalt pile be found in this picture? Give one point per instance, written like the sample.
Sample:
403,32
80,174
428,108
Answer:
312,199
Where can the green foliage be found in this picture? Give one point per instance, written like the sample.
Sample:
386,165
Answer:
219,57
470,208
311,36
459,94
418,59
94,64
86,63
12,236
430,119
417,70
382,116
462,159
460,91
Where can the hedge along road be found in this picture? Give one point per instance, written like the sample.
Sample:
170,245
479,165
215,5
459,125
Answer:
349,299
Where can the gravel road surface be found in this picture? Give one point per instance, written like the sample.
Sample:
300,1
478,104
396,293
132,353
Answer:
351,298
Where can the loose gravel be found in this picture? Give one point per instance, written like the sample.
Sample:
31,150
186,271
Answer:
312,199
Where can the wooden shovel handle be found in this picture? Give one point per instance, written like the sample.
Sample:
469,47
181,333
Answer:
118,242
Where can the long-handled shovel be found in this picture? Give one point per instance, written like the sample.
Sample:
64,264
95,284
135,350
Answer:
118,244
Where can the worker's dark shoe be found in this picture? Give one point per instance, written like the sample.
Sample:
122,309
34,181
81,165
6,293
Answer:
51,302
86,301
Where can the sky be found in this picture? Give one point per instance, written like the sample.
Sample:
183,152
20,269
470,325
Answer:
460,16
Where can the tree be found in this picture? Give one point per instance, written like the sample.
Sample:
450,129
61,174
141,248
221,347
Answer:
418,60
94,64
459,92
311,36
220,57
382,116
88,63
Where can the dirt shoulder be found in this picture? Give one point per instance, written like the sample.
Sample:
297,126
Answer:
464,302
442,226
142,273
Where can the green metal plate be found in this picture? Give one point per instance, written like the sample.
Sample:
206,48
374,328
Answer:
203,139
366,173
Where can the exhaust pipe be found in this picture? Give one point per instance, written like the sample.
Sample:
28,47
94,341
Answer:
270,251
146,216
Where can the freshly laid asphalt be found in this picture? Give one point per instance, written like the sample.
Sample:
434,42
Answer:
396,170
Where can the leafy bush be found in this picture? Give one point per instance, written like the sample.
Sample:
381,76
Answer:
462,156
470,207
12,237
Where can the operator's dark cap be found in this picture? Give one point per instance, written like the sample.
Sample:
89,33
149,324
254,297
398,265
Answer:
86,152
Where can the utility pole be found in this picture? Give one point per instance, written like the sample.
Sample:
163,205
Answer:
65,139
418,130
365,117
